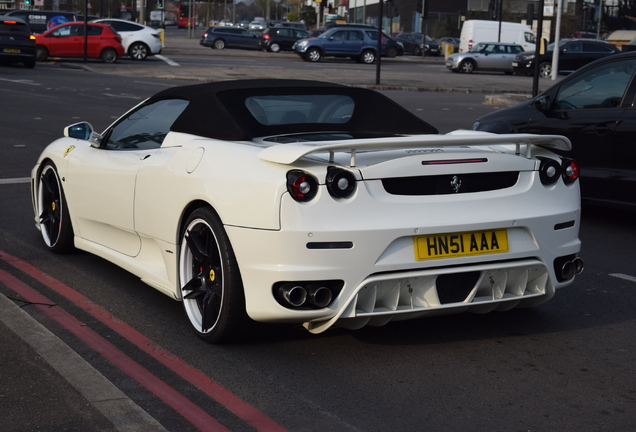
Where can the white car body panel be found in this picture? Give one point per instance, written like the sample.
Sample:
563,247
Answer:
129,206
144,34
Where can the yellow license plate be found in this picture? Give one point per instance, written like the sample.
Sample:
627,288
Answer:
460,244
12,50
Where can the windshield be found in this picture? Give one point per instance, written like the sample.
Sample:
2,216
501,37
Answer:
561,43
478,48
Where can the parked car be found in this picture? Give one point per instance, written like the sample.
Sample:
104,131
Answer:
139,41
67,40
584,35
316,32
257,25
356,42
220,37
339,42
312,203
492,56
42,20
416,43
390,47
593,107
226,23
296,25
573,54
448,41
17,43
275,39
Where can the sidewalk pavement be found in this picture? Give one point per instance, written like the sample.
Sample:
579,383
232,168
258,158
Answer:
46,386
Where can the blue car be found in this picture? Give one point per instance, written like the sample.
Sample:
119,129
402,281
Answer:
358,43
220,37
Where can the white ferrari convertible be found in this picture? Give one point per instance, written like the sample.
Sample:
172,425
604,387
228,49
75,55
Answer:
307,202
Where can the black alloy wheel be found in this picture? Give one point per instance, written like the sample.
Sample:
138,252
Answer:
210,280
53,216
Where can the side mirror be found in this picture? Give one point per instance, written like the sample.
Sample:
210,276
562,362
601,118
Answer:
541,104
83,131
331,38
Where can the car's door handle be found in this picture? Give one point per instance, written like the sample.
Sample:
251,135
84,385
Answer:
602,129
145,157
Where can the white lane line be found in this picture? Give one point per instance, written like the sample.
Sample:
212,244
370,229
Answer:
167,60
123,96
624,276
15,180
20,81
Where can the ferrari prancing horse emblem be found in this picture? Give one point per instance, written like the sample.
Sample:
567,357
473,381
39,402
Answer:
456,183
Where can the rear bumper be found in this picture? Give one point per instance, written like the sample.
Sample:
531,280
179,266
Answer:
382,279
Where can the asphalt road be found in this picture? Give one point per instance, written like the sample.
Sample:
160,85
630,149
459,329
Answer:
567,365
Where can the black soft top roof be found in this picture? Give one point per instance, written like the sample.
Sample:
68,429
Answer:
217,110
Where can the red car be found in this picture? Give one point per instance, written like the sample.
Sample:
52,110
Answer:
67,40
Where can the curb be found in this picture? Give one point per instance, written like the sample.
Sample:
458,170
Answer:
118,408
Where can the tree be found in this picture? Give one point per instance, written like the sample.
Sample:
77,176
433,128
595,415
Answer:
308,15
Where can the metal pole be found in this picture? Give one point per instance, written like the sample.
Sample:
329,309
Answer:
499,16
85,31
557,36
379,50
600,16
537,49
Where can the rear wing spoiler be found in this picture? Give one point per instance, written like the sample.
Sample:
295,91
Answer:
290,153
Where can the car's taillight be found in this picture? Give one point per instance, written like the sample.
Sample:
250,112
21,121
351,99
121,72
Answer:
549,170
205,35
157,35
302,186
470,44
265,36
118,39
340,183
570,170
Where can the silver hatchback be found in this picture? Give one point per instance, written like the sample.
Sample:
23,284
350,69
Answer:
485,56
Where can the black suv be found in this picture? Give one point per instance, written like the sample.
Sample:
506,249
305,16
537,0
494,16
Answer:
17,43
275,39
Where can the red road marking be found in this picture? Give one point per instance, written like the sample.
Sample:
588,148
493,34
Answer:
163,391
233,403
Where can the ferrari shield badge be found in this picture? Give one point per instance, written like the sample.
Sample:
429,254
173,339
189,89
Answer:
68,150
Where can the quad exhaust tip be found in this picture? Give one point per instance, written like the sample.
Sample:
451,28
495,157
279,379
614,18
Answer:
307,295
572,268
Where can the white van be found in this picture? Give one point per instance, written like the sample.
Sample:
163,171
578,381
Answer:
475,31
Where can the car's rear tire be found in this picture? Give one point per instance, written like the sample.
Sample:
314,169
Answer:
53,217
545,70
41,53
210,280
138,51
367,57
417,51
314,55
391,52
274,47
108,55
467,66
219,44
